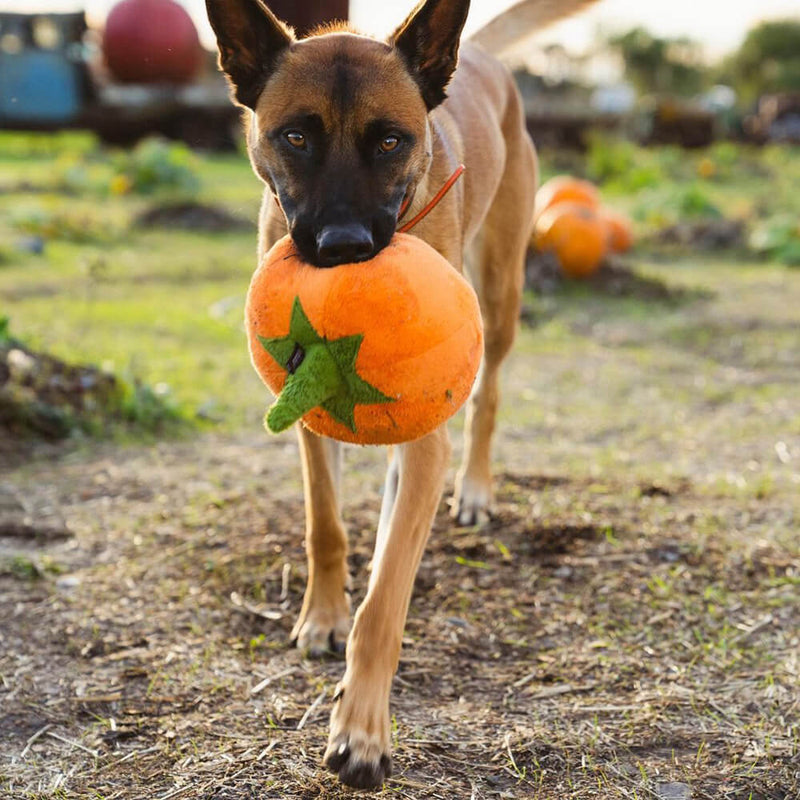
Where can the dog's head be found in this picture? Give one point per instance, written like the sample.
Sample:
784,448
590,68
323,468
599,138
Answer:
339,124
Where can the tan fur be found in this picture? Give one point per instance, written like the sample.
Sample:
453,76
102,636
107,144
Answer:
501,34
482,227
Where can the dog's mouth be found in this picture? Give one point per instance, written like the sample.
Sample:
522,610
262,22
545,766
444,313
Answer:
344,244
334,245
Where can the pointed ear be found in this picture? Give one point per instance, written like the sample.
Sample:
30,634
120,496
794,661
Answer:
428,40
250,39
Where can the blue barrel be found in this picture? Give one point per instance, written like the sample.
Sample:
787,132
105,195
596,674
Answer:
38,86
43,75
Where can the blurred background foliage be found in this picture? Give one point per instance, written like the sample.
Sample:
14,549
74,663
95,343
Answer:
768,61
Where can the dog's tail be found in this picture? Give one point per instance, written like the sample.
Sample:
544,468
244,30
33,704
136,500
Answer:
521,20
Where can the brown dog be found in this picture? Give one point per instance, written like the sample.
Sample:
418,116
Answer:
342,129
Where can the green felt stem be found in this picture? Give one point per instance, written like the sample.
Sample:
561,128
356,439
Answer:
315,380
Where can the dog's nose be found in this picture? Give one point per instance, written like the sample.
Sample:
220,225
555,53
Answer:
341,244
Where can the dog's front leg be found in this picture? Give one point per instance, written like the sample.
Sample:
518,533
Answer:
359,743
324,620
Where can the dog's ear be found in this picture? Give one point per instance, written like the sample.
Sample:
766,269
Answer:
250,39
428,40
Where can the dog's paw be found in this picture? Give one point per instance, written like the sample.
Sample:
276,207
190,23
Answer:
359,750
471,502
322,629
359,763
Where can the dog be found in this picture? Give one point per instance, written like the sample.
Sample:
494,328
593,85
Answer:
346,131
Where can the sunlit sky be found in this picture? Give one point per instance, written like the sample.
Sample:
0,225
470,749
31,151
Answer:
719,24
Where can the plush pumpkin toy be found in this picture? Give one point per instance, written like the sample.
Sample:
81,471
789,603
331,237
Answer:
376,352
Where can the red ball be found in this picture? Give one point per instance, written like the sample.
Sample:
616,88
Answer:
151,41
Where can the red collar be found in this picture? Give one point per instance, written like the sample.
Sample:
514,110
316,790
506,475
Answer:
448,184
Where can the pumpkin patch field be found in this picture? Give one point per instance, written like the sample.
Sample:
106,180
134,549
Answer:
627,625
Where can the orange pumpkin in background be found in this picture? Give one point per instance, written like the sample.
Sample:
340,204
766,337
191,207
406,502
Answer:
618,230
577,236
566,189
376,352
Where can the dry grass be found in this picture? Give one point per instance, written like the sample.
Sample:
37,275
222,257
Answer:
562,653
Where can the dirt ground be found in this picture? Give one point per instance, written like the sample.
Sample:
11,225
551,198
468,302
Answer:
628,625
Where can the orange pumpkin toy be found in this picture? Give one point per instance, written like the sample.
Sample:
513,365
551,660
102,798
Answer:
576,235
377,352
566,189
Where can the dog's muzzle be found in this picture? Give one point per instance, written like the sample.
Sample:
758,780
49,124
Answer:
343,244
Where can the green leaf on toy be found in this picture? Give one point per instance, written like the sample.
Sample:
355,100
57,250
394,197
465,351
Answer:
320,373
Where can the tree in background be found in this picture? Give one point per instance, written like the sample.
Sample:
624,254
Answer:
768,60
661,66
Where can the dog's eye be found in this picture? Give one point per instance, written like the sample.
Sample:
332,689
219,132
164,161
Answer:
296,139
389,143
